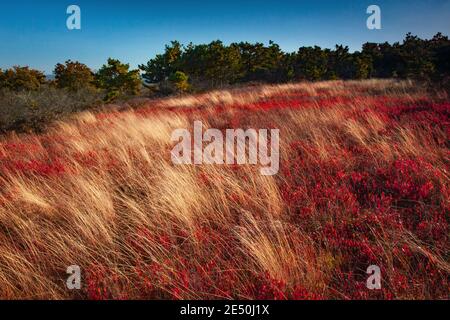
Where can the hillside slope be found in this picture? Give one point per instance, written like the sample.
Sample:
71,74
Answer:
363,181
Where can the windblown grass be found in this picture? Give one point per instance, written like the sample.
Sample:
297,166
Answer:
363,181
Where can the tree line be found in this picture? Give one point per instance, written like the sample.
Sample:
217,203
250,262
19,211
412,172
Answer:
181,68
216,64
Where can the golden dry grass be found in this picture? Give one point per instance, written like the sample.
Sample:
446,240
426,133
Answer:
121,210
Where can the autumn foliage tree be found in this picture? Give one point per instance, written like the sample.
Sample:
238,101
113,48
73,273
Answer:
74,76
22,79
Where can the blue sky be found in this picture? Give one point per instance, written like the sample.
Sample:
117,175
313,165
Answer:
34,33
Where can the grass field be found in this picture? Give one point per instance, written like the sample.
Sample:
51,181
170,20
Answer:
364,180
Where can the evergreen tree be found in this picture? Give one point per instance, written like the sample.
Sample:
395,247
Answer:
117,79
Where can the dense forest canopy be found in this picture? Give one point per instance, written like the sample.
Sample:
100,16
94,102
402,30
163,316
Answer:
216,64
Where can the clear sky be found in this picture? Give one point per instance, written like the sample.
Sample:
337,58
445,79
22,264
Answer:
34,33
